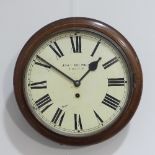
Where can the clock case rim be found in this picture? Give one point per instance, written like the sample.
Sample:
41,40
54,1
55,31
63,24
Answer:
91,25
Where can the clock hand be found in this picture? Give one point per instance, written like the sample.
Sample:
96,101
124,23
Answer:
92,67
51,66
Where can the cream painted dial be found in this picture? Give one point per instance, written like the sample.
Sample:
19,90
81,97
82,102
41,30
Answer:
77,83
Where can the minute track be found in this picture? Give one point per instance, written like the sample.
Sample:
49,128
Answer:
71,112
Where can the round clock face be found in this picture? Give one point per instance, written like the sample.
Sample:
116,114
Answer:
78,81
97,67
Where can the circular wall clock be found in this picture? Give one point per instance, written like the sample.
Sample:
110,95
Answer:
78,81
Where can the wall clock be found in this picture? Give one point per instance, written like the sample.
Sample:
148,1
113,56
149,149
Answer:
78,81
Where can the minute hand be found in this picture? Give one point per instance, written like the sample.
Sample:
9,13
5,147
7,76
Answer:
92,67
51,66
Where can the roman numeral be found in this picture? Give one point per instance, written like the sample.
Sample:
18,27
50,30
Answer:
58,117
77,122
110,62
98,43
76,44
43,102
38,85
111,102
98,117
116,82
41,62
56,49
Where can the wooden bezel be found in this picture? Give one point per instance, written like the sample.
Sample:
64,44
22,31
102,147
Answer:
93,25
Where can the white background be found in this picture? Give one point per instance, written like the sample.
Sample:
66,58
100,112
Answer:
19,19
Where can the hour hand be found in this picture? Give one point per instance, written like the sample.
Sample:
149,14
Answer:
92,67
48,65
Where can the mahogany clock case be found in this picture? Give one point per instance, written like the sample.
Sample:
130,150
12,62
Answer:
91,25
